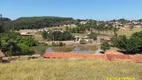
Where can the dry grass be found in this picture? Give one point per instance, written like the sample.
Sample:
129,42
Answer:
129,32
61,27
69,69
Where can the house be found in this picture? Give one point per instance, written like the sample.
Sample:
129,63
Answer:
78,38
1,56
83,22
107,39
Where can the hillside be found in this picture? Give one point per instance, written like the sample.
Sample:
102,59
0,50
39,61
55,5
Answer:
37,22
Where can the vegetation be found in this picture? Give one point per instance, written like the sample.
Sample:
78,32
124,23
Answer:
83,41
105,46
128,32
69,69
1,28
14,44
37,22
129,45
57,35
4,19
93,36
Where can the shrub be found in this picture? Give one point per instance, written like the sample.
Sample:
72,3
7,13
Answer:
83,41
93,36
61,44
54,44
105,46
90,41
129,45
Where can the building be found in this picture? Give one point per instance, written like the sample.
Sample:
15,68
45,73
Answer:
1,56
83,22
107,39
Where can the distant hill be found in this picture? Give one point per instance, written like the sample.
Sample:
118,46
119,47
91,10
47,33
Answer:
37,22
4,19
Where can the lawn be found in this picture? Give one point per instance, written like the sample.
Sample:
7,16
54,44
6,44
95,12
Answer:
69,69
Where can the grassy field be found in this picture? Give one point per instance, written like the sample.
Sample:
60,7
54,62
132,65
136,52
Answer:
61,27
69,69
128,32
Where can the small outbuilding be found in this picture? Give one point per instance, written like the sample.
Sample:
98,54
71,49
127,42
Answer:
107,39
1,56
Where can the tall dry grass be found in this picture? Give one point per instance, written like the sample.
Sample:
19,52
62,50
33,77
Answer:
69,69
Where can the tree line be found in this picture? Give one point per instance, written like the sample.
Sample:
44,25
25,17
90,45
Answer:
36,22
94,26
57,35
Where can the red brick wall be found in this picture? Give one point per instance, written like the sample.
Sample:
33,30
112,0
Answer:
73,55
111,57
137,58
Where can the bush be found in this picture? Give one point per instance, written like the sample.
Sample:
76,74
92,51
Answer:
61,44
129,45
105,46
83,41
54,44
90,41
93,36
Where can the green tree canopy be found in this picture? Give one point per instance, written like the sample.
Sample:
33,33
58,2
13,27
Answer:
14,44
130,45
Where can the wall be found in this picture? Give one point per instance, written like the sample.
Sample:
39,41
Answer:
110,57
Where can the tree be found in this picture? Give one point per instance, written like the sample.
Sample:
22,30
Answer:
131,27
37,22
66,36
123,21
93,36
115,29
58,36
1,27
14,44
44,35
130,45
105,46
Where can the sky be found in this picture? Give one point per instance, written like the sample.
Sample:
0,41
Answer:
78,9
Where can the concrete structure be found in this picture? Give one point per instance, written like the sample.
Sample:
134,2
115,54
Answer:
78,38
